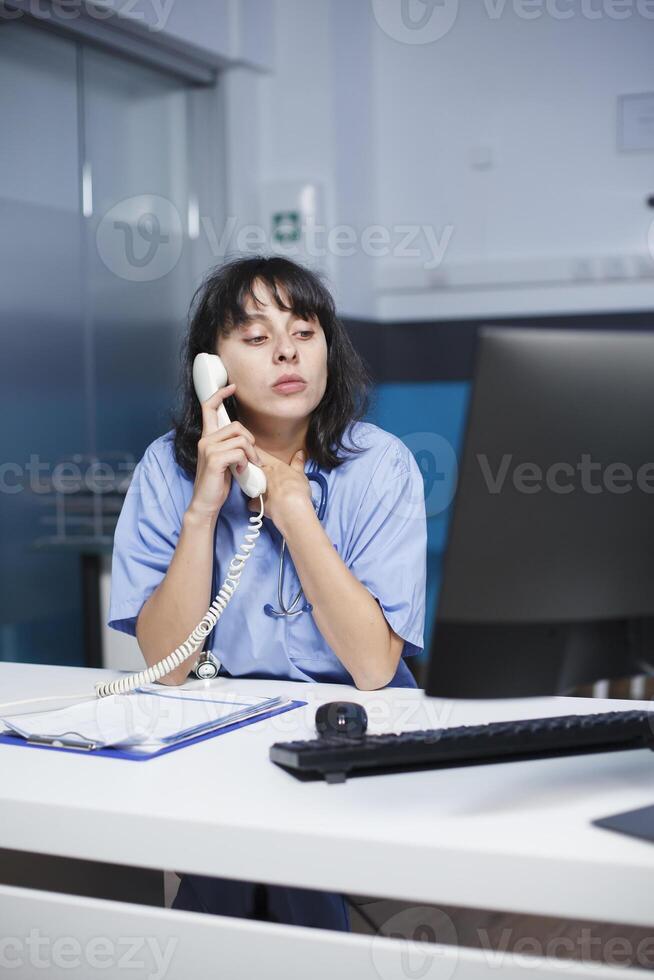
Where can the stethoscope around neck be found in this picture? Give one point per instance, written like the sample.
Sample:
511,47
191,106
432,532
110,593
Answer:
317,477
208,665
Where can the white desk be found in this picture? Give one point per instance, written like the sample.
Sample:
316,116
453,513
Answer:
515,836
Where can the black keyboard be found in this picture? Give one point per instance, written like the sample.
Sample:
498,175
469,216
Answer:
337,756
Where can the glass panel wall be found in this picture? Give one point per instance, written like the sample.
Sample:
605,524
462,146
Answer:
42,398
107,169
136,141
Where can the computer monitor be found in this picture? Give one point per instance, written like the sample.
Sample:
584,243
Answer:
548,575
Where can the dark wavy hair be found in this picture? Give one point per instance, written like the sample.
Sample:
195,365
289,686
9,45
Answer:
218,306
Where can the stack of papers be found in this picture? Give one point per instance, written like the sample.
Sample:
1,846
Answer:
141,721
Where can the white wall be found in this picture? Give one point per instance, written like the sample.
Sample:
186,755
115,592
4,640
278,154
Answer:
220,29
494,143
555,220
296,98
558,200
317,115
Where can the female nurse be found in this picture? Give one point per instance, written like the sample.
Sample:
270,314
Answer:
359,568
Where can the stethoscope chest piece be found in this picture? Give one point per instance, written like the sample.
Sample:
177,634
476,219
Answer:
207,667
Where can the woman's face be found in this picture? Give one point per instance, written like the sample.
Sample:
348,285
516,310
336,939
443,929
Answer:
273,343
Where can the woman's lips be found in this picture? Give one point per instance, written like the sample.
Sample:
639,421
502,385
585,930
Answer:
288,387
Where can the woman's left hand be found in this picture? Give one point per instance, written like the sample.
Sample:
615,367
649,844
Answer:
287,488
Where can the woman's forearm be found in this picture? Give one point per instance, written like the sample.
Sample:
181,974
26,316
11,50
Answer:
346,613
181,599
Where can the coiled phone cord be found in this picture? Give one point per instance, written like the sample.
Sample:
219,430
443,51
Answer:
124,685
190,646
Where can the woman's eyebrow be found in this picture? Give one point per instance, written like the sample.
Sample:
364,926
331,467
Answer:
251,318
255,318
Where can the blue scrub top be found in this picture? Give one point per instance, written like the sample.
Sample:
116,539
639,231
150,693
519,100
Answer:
375,518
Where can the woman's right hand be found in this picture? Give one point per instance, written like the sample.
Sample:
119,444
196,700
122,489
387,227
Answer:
218,448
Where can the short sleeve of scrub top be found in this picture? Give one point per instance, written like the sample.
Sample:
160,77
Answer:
374,517
387,548
145,539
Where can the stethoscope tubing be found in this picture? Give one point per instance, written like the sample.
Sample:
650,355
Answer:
208,665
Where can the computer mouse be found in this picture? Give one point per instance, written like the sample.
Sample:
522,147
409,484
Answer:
341,718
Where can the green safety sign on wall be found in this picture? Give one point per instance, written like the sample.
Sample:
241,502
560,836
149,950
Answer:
286,226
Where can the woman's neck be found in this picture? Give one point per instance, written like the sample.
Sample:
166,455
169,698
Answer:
280,439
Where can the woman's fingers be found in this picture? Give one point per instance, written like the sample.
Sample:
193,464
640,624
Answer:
210,408
238,455
228,432
218,449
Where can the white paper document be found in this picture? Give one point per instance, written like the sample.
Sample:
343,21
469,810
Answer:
144,718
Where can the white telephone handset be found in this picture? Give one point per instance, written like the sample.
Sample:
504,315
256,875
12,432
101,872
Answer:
209,375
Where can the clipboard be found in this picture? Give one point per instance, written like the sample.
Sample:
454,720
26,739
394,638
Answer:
60,744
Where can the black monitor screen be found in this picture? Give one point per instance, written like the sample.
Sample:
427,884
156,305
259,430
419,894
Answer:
548,575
